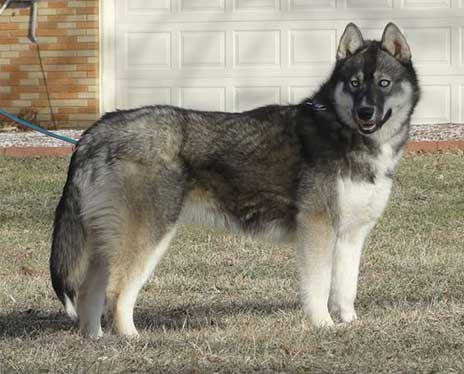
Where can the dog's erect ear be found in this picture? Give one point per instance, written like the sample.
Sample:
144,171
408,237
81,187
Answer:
394,42
350,41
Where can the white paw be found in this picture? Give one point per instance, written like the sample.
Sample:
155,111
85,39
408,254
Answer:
133,334
129,331
348,315
322,320
91,333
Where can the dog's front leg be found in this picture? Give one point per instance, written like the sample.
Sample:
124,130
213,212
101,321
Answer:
345,271
316,241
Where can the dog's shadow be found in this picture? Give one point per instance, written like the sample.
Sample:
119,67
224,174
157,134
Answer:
33,323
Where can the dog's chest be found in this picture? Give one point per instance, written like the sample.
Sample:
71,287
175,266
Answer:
362,202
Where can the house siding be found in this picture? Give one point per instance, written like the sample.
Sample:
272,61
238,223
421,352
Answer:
58,78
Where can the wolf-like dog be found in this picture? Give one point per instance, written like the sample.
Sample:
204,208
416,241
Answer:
318,173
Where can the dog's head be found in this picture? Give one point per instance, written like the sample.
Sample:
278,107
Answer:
375,85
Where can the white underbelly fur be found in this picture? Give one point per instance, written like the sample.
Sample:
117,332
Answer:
205,212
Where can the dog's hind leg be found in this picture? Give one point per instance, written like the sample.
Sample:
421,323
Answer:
150,203
91,299
127,277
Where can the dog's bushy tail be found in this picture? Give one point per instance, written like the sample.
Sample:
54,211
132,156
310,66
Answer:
67,261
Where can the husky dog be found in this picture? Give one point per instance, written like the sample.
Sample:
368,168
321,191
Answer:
318,173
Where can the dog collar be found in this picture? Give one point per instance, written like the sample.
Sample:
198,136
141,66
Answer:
317,107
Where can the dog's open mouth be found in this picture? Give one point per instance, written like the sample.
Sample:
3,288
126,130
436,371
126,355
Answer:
369,127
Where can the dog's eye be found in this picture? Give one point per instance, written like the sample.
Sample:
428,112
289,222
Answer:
355,83
384,83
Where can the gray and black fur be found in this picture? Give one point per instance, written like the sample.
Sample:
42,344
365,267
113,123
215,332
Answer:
297,172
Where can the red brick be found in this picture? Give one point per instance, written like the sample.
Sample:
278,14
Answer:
7,40
32,89
36,151
25,60
8,96
87,25
64,60
423,146
9,68
85,110
57,4
64,95
52,32
9,26
450,145
87,67
65,11
69,43
51,19
89,10
17,33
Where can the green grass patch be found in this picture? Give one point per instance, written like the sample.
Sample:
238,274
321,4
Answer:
224,303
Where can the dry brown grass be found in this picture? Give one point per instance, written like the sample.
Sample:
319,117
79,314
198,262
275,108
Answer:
223,303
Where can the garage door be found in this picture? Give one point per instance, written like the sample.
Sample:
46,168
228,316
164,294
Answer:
237,54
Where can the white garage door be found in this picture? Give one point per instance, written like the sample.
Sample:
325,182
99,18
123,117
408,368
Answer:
237,54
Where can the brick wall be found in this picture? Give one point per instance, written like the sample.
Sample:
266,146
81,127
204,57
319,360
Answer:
58,78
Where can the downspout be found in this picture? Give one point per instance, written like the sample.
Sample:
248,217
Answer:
5,5
33,18
33,22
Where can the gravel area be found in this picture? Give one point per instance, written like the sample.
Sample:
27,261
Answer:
442,131
35,139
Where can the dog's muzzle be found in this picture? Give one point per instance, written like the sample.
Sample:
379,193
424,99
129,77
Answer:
367,126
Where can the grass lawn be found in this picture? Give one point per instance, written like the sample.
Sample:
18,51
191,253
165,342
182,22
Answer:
224,303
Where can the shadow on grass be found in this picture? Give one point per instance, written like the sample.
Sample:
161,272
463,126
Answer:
32,323
196,317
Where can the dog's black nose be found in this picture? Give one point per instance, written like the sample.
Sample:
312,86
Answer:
365,113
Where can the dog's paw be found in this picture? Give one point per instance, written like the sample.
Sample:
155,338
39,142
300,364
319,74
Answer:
348,315
91,333
322,321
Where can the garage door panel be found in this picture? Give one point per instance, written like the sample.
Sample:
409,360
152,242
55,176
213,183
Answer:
309,47
461,102
147,50
140,6
202,98
431,45
297,94
246,98
426,4
202,5
311,5
211,44
435,104
240,5
147,96
461,46
256,48
369,4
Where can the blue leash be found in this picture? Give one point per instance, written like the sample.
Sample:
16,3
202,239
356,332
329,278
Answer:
37,128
